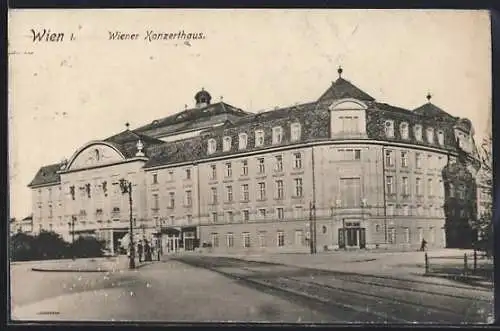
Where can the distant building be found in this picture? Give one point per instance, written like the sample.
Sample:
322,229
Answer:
373,173
25,225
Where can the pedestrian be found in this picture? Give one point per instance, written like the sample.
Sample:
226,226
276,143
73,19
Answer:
424,243
147,252
140,250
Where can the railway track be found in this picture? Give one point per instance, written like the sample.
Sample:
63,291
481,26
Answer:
332,292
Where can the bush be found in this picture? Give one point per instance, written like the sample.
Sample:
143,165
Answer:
87,247
21,247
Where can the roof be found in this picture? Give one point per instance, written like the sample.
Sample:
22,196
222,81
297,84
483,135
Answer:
126,142
342,88
431,110
185,119
47,175
174,152
391,108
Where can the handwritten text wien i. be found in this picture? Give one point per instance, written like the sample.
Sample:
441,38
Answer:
153,35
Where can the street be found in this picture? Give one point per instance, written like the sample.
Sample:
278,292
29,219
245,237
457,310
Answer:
210,288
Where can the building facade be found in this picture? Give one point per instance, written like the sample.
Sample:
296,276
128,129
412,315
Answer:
344,171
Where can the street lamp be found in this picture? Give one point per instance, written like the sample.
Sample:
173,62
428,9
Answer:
312,227
72,231
126,187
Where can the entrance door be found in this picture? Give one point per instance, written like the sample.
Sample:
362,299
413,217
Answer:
352,237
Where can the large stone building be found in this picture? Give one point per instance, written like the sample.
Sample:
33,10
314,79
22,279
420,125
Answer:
343,171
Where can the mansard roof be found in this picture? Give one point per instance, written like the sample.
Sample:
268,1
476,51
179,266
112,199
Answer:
342,89
193,117
47,175
126,142
430,110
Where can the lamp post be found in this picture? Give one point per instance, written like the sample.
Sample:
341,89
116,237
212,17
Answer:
72,231
126,187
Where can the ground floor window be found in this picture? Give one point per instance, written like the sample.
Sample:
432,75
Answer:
262,238
392,236
215,240
432,234
246,239
406,232
229,240
420,234
281,239
299,237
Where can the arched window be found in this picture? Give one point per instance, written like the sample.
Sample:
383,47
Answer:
417,130
259,138
295,131
212,146
243,138
441,137
97,154
430,135
226,144
389,129
403,128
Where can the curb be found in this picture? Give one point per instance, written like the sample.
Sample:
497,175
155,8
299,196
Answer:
69,270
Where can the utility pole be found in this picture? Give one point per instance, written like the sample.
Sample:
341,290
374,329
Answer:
73,219
126,187
312,227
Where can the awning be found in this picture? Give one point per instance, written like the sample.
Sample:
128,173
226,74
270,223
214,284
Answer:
170,230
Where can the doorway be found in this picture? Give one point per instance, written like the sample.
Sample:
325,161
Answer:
352,235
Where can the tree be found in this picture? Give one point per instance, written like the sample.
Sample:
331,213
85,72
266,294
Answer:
483,224
21,247
49,245
88,247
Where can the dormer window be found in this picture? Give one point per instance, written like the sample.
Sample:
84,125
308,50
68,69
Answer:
403,128
430,135
441,137
243,138
389,129
417,130
295,131
259,138
212,146
277,135
226,144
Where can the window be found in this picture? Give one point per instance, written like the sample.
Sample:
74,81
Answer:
432,235
297,160
389,161
212,146
277,135
350,191
403,129
259,138
420,210
441,188
350,124
262,191
392,236
215,240
405,190
229,171
430,135
418,186
262,213
155,178
281,239
188,174
262,239
261,164
418,160
406,233
229,240
170,175
171,196
214,195
242,143
246,215
430,191
229,217
349,154
281,213
377,228
279,163
226,144
299,237
417,131
298,212
298,187
404,159
406,210
172,220
246,239
189,198
244,168
156,204
389,129
440,137
213,175
214,217
50,211
295,131
189,219
389,185
279,190
245,192
420,234
229,193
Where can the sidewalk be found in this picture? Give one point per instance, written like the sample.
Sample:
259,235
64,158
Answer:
401,265
102,264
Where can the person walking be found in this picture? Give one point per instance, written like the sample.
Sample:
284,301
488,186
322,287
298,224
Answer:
140,249
423,245
147,252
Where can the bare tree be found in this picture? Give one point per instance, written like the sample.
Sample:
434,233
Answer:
483,224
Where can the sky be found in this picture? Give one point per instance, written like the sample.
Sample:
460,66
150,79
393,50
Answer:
65,94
